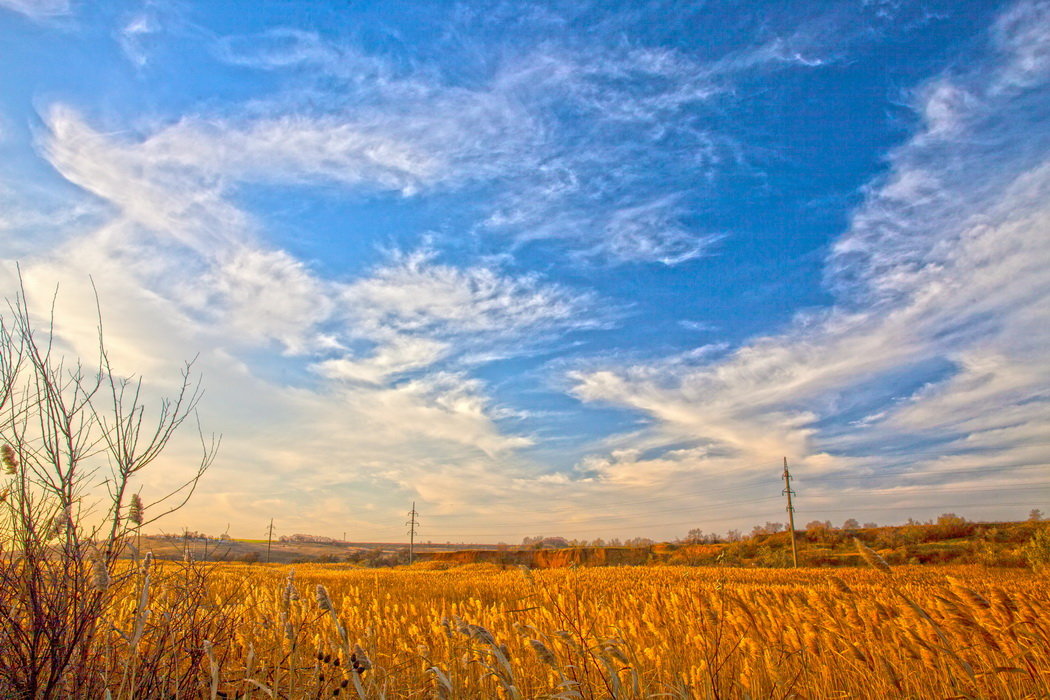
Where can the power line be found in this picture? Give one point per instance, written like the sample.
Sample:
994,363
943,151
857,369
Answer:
625,516
959,451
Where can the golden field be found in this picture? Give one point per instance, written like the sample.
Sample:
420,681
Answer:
231,630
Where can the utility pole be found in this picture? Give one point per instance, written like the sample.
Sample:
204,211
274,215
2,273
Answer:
791,512
269,539
412,523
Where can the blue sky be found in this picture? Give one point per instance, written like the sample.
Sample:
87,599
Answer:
581,269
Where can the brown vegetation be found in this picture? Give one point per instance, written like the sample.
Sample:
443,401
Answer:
479,632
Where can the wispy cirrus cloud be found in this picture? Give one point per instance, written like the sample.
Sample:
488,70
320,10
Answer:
943,265
175,258
568,140
574,140
39,9
417,312
171,190
414,294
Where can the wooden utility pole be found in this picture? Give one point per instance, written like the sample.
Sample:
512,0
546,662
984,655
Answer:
269,539
412,523
791,513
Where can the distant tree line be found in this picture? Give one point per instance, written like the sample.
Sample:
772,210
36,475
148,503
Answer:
945,526
300,538
541,542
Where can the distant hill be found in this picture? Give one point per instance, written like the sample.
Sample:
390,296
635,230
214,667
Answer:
174,547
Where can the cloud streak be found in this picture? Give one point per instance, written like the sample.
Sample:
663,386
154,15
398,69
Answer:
38,10
590,157
180,266
568,137
944,262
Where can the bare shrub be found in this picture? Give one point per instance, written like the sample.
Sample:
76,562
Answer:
75,435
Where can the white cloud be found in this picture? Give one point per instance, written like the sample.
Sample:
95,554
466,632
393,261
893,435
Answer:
134,37
568,136
38,9
396,355
945,261
1022,34
171,189
285,47
176,178
266,295
944,106
417,313
287,440
414,294
650,232
180,267
156,189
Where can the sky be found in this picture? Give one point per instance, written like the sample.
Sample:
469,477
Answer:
580,269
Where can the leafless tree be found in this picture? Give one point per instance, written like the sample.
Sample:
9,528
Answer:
74,436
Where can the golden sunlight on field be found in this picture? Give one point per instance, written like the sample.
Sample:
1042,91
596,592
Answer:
646,632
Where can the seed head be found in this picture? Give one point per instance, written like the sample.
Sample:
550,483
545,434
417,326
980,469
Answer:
286,624
442,689
546,655
611,649
9,459
323,601
840,585
101,579
871,556
61,522
290,593
135,509
479,633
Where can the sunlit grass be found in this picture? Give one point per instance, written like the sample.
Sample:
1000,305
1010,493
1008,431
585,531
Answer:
630,632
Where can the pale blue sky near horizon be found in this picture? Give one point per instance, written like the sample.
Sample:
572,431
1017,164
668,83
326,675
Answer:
552,268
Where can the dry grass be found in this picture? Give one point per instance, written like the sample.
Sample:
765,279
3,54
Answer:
590,633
